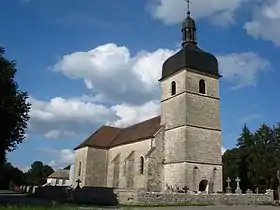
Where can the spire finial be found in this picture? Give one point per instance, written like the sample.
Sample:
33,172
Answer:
188,6
188,28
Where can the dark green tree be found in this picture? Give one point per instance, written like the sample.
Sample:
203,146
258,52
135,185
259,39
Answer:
14,109
261,161
10,175
256,158
38,173
231,159
244,143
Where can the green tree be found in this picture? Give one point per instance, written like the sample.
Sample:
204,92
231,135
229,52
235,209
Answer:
38,173
10,175
261,160
231,159
255,159
244,143
14,109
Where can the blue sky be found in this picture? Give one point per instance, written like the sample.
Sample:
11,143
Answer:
97,62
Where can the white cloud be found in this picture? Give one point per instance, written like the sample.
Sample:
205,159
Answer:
125,88
265,22
242,69
125,91
61,158
223,150
170,12
55,134
110,71
131,115
63,118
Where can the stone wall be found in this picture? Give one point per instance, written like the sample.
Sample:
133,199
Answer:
138,149
96,168
90,167
143,198
154,172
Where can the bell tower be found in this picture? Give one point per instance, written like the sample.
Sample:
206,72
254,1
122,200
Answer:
190,113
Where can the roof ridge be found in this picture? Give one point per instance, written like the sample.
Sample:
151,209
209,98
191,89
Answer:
142,122
109,126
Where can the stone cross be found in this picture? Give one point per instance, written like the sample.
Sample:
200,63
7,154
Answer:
78,184
185,188
228,189
238,190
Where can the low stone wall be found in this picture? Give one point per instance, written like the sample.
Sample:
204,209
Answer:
141,198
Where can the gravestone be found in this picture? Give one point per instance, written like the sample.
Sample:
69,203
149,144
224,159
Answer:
238,190
228,189
257,190
176,188
168,188
248,191
34,189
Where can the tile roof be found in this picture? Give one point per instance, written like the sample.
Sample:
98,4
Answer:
107,137
60,174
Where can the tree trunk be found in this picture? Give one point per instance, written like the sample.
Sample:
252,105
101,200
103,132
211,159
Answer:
2,171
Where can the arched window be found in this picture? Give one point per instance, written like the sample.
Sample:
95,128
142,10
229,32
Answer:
80,169
141,165
173,88
202,86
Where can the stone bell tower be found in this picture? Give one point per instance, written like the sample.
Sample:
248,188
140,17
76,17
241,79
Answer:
190,109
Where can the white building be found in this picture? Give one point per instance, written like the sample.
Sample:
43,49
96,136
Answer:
61,177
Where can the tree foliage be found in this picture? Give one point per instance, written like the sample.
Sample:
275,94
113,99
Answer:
35,176
38,173
255,159
14,108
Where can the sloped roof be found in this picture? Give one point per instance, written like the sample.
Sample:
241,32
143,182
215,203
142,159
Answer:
108,137
60,174
100,138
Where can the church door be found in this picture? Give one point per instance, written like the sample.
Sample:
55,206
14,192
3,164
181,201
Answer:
203,185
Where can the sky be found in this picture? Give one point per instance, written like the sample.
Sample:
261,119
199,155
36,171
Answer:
91,62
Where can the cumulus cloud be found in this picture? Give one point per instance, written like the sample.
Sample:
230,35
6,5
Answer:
170,12
61,158
125,88
242,69
112,72
265,22
63,118
223,150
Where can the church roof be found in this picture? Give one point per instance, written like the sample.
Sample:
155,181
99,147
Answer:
190,56
60,174
107,137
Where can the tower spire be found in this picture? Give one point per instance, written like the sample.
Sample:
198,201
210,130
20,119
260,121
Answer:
188,6
188,28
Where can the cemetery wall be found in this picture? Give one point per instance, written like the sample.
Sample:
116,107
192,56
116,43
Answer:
144,198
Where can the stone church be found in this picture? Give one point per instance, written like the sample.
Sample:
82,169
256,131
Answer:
181,147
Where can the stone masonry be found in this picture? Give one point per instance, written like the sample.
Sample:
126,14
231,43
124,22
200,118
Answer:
192,131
